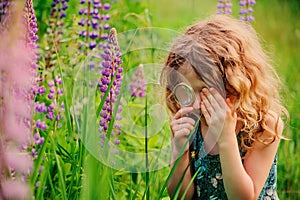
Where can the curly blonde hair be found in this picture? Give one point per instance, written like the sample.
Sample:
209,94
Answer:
223,48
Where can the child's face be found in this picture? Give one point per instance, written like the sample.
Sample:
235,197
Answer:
194,81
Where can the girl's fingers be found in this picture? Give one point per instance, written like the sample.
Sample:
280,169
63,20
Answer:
178,127
182,123
212,98
183,111
205,112
182,133
184,120
208,106
217,97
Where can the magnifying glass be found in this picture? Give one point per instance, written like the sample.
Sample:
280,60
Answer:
185,96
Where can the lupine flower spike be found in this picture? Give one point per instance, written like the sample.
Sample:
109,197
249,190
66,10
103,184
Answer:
17,67
55,31
138,84
224,7
48,106
94,19
246,10
54,109
111,71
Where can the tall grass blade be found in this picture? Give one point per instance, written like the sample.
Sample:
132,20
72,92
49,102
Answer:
176,162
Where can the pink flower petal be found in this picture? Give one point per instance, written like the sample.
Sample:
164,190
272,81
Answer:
13,189
21,162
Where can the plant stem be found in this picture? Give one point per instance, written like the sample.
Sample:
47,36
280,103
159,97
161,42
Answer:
146,152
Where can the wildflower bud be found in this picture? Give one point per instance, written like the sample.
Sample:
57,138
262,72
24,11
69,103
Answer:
50,96
117,141
58,80
41,90
50,115
40,125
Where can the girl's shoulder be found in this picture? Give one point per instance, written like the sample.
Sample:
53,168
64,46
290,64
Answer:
272,124
271,131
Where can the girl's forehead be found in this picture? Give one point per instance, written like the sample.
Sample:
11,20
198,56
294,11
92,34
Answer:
188,72
190,77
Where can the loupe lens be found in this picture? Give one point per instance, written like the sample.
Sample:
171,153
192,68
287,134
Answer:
184,94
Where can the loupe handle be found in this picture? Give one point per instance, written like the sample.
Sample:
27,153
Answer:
195,115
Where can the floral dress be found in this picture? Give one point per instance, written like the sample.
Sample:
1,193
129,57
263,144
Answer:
209,182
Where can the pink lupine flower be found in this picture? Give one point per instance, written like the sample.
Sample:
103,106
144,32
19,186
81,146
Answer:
138,84
17,82
13,189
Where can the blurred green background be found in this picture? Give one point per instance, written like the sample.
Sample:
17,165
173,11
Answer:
277,23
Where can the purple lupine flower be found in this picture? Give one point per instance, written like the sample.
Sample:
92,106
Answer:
38,139
50,115
51,83
50,96
117,141
246,10
224,7
58,80
55,92
54,109
111,71
93,15
41,125
55,31
252,2
40,107
138,84
41,89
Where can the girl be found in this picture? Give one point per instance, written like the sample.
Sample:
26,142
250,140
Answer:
233,151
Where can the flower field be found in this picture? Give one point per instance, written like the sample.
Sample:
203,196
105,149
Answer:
82,108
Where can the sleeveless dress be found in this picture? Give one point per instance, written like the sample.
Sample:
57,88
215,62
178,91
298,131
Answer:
209,182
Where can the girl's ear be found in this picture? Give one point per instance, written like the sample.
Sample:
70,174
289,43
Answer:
231,101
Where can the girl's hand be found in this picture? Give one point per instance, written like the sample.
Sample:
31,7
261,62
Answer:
181,127
218,113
